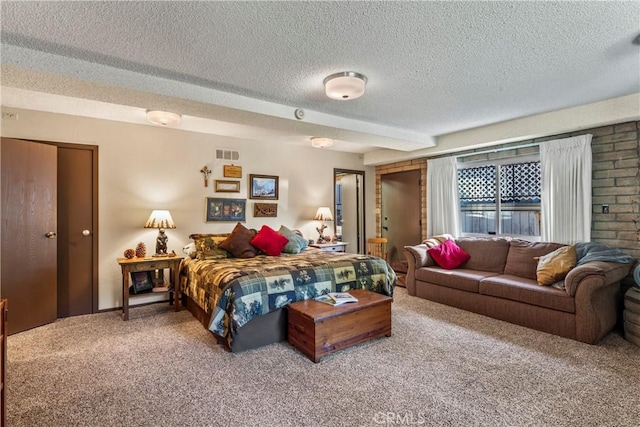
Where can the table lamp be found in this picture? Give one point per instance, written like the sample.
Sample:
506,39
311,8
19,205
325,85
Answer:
160,219
323,214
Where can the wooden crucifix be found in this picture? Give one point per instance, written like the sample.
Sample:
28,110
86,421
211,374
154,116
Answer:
206,171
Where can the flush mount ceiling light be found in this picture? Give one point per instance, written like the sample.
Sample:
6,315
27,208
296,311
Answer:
163,118
345,85
321,142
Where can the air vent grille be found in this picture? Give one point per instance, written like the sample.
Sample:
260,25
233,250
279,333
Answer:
222,154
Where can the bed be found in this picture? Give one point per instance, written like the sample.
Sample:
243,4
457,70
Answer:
241,301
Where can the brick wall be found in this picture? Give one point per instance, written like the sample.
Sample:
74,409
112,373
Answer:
616,180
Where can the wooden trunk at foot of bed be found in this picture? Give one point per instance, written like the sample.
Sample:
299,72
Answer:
258,332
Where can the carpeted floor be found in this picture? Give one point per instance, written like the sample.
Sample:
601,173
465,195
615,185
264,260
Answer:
441,367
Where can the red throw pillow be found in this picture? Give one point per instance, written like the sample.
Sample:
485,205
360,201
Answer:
448,255
269,241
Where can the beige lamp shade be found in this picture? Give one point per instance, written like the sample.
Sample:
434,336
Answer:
323,214
160,219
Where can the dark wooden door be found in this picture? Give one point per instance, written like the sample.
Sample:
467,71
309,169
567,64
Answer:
400,209
76,239
29,227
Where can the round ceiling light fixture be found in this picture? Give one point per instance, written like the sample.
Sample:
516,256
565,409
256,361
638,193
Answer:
345,85
321,142
163,118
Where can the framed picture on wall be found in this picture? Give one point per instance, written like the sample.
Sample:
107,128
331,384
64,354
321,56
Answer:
264,187
224,186
269,210
225,209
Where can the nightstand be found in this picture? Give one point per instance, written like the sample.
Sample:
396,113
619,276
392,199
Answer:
150,264
331,247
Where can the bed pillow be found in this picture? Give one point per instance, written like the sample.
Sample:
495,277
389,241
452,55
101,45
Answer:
269,241
448,255
239,242
296,242
555,265
207,246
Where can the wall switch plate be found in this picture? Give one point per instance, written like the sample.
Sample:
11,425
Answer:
605,209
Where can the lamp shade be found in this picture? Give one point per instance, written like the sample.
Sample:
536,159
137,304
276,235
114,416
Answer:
160,219
345,85
163,118
323,214
321,142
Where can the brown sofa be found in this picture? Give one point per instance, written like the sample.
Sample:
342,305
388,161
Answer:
499,280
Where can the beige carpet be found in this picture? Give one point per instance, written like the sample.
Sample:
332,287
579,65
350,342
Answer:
441,367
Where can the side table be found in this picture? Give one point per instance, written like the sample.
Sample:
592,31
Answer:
632,315
150,264
331,247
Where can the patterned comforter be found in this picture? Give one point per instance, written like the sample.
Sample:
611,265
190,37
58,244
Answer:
236,290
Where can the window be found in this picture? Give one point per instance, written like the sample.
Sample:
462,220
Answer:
508,190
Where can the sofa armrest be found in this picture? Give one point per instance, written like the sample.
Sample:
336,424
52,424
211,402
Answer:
606,272
417,257
595,286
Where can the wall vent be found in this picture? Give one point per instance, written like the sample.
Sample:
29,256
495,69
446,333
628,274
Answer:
227,155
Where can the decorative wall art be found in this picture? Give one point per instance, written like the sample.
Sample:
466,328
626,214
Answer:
225,209
231,171
223,186
206,172
263,187
265,210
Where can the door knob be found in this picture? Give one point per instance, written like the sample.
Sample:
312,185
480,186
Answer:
51,235
85,232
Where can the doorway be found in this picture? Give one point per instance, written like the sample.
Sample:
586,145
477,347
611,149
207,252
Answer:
400,214
348,205
50,264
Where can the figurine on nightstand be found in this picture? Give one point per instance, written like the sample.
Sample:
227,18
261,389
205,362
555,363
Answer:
161,243
320,230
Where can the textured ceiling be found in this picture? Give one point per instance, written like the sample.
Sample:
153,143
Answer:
433,68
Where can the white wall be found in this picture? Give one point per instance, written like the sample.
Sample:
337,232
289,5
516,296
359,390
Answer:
144,167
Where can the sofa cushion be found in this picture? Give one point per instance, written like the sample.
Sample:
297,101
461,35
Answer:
521,259
463,279
448,255
555,265
486,254
527,291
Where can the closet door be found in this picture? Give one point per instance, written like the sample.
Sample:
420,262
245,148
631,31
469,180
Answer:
29,219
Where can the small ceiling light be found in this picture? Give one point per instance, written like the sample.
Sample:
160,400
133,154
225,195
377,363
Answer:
163,118
345,85
321,142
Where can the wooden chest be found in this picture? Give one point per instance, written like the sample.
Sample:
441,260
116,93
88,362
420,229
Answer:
317,329
632,316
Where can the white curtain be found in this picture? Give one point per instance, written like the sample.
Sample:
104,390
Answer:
566,189
442,197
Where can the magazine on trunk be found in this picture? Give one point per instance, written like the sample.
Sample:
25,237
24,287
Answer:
336,298
342,297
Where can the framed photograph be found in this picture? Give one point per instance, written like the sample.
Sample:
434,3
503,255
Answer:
223,186
225,209
263,187
231,171
141,281
265,210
